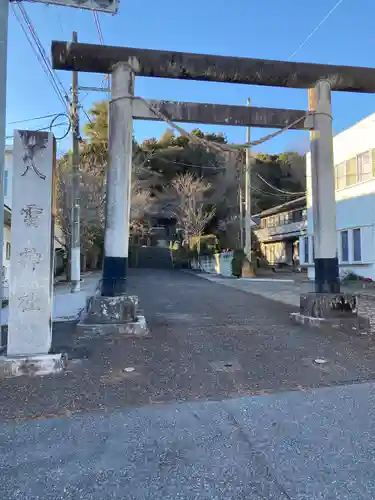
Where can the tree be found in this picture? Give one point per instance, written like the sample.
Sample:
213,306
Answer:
97,128
158,162
92,199
142,201
187,196
274,177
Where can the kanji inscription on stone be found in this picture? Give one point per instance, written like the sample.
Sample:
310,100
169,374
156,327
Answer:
29,302
30,256
31,143
31,214
32,236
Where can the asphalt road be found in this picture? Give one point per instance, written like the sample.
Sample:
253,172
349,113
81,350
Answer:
226,401
293,445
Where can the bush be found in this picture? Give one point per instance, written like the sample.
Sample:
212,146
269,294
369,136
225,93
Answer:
351,277
182,257
237,262
206,244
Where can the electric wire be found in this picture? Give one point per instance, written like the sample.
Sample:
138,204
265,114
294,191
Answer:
33,39
33,119
299,193
315,29
39,58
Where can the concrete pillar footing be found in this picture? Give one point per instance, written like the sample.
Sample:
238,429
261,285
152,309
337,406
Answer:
113,316
333,310
32,365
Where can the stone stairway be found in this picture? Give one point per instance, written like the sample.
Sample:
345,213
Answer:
151,258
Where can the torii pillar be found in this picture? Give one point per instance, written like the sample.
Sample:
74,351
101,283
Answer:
116,239
112,310
323,190
326,305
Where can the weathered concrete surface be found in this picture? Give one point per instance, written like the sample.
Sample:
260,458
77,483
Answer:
208,342
313,445
106,310
331,310
31,366
30,294
219,114
328,305
352,325
112,316
188,66
133,328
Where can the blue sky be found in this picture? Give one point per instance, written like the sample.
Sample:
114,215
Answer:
269,29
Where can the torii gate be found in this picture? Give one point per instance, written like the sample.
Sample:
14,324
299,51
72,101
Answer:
126,63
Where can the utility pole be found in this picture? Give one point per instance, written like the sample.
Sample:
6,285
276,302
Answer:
240,196
75,256
4,11
248,195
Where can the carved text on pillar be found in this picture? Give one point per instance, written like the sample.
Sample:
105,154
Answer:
31,214
30,256
31,144
29,302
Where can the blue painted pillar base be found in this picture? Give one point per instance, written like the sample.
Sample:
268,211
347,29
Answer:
327,276
115,270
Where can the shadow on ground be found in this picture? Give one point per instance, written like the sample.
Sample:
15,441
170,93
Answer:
209,342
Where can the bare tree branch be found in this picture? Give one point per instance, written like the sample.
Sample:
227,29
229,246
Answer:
187,198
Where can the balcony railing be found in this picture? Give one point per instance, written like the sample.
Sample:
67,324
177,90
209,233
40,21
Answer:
283,218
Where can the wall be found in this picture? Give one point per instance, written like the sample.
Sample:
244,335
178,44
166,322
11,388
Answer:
217,264
355,204
8,173
6,261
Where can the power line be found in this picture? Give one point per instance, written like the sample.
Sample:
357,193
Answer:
98,27
182,164
24,29
101,39
266,193
52,125
42,51
289,193
316,28
33,119
33,38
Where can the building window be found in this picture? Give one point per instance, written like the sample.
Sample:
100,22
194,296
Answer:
364,171
344,246
340,178
306,249
7,251
5,182
351,171
357,250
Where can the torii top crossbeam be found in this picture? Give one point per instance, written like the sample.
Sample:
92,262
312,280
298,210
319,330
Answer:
188,66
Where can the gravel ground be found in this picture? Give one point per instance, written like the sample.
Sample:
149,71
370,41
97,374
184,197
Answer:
208,342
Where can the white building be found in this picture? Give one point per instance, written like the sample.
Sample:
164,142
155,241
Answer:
354,159
7,214
8,172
